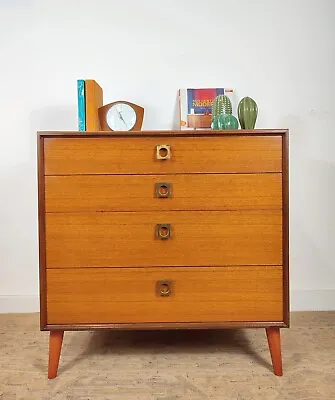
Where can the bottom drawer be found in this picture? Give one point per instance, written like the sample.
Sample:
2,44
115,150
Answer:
184,294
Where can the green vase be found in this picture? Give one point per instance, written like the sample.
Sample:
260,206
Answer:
227,121
247,113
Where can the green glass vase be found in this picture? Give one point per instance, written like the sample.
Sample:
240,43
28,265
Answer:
247,113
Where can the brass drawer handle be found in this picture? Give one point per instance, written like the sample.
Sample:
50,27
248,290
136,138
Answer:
164,288
163,152
163,189
163,231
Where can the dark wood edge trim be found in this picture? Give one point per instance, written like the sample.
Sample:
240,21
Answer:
165,173
238,132
176,267
43,316
41,231
285,189
166,326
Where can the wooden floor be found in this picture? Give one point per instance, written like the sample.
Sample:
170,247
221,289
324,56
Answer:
169,365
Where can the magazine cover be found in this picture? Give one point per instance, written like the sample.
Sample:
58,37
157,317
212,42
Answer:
195,106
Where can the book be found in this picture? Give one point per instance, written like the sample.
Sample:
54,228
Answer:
81,105
195,106
94,100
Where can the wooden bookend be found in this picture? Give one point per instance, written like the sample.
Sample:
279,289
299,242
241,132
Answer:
94,100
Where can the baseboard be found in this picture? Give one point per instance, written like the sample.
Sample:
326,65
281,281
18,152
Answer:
312,300
300,300
19,304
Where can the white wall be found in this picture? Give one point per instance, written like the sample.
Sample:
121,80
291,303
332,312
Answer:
280,52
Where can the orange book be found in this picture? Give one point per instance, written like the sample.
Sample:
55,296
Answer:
94,100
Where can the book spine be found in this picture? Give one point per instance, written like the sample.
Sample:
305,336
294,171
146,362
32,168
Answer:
81,105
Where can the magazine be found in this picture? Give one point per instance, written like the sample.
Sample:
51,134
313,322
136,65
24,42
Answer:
195,106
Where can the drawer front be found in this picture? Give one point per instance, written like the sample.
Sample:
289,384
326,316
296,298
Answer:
174,238
130,295
163,192
138,155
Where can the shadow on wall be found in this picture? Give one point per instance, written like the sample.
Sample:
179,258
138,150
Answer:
176,114
312,197
61,118
19,273
48,119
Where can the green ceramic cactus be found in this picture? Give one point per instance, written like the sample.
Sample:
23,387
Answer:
222,117
247,113
224,121
215,122
221,105
227,121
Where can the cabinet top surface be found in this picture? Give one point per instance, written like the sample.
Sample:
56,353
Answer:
162,132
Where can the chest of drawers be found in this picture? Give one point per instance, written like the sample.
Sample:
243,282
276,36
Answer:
163,230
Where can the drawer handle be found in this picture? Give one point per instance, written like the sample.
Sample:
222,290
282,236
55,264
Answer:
163,231
163,152
164,288
163,189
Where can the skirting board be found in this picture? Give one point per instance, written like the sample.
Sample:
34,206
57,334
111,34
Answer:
19,304
301,300
312,300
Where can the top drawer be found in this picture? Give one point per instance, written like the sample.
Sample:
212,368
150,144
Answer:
138,155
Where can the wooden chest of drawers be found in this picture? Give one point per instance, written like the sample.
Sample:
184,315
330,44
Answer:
163,230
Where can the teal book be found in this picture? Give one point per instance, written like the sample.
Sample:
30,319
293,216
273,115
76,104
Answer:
81,105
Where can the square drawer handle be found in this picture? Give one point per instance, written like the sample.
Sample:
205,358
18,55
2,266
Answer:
164,288
163,152
163,189
163,231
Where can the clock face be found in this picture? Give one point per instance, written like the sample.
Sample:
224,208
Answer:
121,117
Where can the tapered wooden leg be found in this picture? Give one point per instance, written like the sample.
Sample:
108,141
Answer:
55,347
273,335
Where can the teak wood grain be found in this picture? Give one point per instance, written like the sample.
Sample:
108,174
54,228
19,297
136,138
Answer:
137,155
55,347
226,262
127,295
197,238
286,240
273,335
82,193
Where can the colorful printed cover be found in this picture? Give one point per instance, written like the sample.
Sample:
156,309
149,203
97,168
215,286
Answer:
198,102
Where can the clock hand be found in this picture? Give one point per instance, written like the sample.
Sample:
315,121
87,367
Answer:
121,117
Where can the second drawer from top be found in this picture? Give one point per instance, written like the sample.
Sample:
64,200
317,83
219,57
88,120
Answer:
85,193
